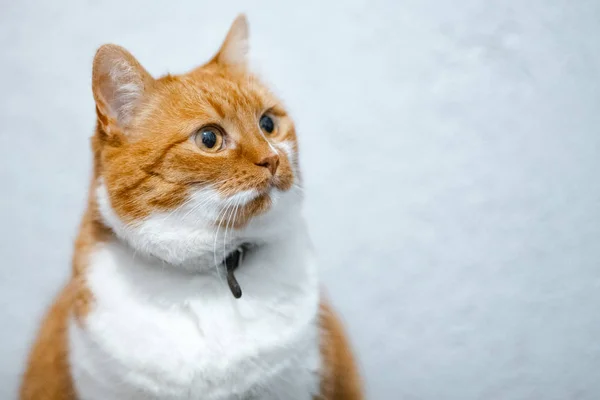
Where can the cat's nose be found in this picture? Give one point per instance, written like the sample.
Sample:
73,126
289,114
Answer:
271,161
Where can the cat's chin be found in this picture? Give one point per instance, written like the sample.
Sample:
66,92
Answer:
193,232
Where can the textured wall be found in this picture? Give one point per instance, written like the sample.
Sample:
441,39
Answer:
450,150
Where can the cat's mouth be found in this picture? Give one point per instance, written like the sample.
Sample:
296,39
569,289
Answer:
251,202
266,188
278,182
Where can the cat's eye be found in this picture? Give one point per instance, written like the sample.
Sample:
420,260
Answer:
267,124
209,139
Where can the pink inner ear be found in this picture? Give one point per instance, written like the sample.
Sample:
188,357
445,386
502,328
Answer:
122,90
119,81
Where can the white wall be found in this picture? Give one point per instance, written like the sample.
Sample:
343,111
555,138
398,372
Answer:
451,156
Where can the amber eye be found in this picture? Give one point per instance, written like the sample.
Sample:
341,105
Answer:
209,139
267,124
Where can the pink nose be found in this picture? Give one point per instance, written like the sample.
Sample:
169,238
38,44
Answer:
271,162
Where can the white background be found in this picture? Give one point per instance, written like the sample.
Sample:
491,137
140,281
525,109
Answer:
451,153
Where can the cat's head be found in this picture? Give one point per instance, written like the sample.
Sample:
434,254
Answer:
183,159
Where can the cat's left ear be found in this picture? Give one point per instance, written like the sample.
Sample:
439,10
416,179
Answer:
234,50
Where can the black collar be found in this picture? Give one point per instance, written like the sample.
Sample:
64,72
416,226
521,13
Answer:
232,262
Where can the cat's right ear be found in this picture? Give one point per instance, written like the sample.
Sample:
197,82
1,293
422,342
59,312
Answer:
119,83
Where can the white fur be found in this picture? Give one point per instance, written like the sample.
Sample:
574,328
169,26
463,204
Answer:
187,236
288,149
159,331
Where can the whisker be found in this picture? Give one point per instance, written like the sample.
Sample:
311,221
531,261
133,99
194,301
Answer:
232,221
200,204
225,208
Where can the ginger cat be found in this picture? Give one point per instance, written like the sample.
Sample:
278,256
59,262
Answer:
193,276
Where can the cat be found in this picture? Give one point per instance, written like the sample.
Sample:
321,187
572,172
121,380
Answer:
193,275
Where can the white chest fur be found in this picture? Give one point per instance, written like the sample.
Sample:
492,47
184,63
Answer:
156,332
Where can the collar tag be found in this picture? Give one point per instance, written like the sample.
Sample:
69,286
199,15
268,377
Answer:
232,262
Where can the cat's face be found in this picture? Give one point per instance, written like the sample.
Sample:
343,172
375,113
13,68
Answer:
180,157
